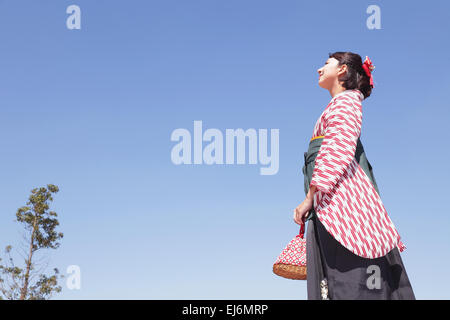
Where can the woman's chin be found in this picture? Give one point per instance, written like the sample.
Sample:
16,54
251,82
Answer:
322,85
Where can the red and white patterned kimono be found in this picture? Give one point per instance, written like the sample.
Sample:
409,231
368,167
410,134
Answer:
346,202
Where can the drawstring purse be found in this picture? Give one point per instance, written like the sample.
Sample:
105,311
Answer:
291,263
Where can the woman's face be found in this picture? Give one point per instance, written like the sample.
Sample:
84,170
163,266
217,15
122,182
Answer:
329,74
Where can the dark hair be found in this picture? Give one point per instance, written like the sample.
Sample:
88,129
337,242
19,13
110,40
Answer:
356,77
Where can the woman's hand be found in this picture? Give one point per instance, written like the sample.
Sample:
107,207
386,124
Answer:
302,211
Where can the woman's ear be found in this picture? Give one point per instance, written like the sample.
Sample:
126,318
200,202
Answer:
342,70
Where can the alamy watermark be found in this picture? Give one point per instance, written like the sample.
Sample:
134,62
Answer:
213,152
73,281
74,20
374,281
374,20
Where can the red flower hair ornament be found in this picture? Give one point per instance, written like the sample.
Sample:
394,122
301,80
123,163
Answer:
368,68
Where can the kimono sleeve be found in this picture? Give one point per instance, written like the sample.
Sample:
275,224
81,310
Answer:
342,130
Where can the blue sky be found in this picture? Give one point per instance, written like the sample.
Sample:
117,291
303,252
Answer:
92,111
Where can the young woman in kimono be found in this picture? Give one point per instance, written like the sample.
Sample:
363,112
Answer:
353,247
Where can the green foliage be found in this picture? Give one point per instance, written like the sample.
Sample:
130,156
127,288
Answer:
45,286
40,224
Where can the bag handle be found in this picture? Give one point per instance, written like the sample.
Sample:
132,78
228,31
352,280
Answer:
302,230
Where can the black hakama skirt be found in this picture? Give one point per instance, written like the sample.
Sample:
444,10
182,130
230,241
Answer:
348,276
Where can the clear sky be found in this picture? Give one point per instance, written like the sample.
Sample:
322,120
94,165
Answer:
92,111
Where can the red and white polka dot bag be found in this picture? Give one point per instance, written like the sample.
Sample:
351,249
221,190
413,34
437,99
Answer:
291,263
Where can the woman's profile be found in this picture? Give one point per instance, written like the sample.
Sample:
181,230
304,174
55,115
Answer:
353,247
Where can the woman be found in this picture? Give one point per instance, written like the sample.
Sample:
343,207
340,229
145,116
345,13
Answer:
353,248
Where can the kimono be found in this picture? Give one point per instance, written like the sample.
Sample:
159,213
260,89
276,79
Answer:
350,234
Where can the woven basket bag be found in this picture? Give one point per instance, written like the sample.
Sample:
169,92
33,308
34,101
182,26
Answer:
291,263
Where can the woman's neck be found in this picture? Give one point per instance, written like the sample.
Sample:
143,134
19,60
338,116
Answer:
336,89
